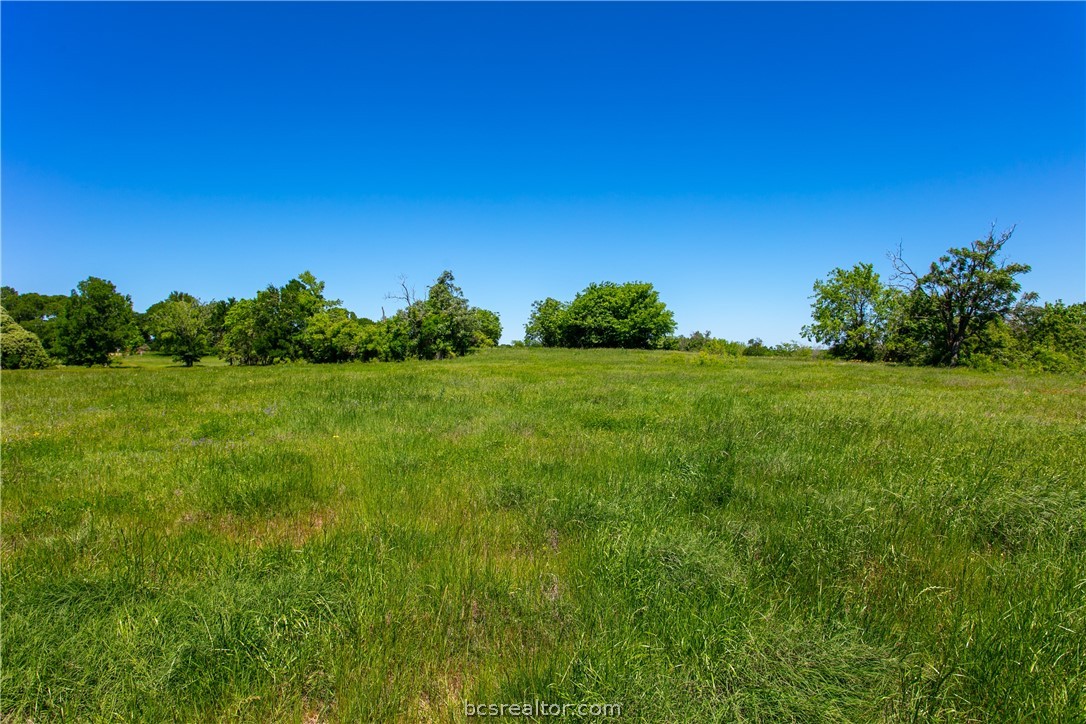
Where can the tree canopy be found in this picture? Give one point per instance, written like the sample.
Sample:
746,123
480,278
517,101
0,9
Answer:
851,312
20,349
96,322
962,292
627,315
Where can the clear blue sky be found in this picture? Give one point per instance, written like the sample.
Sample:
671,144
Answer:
727,153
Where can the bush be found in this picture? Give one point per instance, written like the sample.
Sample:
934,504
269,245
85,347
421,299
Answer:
20,349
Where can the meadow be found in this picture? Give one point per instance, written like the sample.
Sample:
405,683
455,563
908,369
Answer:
695,538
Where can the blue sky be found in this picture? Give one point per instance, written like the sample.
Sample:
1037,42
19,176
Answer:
728,153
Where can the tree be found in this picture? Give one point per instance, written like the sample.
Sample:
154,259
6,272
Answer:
488,328
96,322
448,323
627,315
239,341
36,313
335,335
442,325
546,323
1050,337
851,310
146,321
20,349
180,329
962,292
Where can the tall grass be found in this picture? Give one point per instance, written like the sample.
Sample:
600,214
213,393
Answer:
734,540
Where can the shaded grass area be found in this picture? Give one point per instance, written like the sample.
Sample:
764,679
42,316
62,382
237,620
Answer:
695,539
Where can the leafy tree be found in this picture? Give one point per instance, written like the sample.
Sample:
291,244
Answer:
96,322
272,326
627,315
239,341
442,325
448,323
488,328
20,349
963,291
36,313
336,335
851,311
216,321
1050,338
546,323
147,320
180,329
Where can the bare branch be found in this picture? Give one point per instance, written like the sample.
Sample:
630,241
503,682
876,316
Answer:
904,277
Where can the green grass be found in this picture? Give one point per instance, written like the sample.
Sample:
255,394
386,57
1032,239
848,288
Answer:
693,538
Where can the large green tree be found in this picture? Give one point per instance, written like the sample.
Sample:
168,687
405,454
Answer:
627,315
851,311
180,328
96,322
961,294
272,326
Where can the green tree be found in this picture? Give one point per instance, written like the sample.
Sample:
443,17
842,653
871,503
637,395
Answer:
627,315
36,313
488,328
180,329
442,325
851,311
20,349
962,292
1051,337
335,335
546,324
96,322
146,321
239,341
448,323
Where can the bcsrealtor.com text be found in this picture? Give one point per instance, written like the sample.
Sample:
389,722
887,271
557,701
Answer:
542,708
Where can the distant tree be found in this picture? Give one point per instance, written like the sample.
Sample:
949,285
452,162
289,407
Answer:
448,323
36,313
180,329
335,335
96,322
147,320
1051,337
962,292
20,349
546,323
488,328
851,312
239,341
442,325
627,315
216,321
755,348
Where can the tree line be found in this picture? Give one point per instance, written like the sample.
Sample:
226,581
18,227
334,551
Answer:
965,308
292,322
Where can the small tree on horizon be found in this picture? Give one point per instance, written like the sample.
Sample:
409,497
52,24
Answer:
181,330
851,309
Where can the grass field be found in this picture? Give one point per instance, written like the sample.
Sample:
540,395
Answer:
695,539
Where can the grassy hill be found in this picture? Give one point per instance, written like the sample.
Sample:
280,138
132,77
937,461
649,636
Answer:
692,538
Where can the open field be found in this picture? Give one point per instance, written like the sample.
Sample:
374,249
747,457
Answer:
692,538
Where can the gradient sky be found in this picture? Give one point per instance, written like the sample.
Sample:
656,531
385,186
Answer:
728,153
